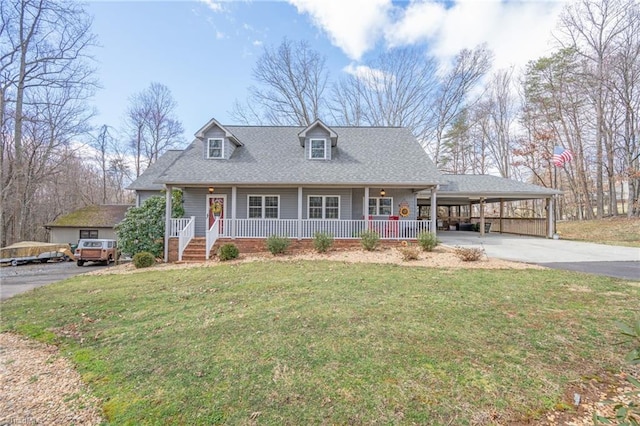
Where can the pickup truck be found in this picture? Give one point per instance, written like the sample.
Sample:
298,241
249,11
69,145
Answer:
98,250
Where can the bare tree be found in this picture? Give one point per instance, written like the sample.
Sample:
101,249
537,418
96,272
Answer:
625,87
468,69
592,27
45,77
292,79
152,125
102,143
395,89
495,116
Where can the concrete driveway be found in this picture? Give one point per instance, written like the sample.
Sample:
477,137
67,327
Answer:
615,261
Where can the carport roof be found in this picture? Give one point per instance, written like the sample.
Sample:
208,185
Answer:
464,189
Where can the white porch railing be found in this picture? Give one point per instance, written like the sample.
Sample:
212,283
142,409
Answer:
185,235
212,235
340,229
178,225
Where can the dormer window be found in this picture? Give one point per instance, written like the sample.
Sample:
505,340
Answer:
215,148
318,149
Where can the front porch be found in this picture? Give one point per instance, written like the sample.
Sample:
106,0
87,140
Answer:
182,236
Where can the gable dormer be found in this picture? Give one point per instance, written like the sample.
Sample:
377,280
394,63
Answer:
218,143
317,140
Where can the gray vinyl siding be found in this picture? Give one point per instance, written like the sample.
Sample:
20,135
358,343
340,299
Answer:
195,204
398,195
288,201
317,133
343,193
145,195
216,133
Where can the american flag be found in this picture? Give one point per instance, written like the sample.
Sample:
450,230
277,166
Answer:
561,156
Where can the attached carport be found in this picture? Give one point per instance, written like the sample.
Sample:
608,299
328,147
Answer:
463,195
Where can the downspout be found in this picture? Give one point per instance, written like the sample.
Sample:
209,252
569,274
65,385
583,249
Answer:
167,221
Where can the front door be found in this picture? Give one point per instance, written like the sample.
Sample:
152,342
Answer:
216,205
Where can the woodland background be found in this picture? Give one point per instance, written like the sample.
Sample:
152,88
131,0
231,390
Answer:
585,97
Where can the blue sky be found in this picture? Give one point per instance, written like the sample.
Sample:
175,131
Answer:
204,51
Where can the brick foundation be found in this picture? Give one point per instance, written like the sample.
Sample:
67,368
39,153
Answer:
258,245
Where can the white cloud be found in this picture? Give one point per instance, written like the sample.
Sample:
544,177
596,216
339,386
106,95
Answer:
257,43
516,31
418,22
216,6
353,26
220,35
370,76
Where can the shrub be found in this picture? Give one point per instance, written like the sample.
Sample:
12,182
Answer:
409,253
228,251
427,241
277,245
369,240
143,227
469,254
322,241
144,259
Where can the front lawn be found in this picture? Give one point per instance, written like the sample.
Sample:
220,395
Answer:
331,343
617,230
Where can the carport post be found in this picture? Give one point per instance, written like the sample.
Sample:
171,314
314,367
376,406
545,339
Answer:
551,228
482,216
434,209
167,221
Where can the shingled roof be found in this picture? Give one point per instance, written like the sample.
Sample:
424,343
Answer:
146,181
461,188
273,156
94,216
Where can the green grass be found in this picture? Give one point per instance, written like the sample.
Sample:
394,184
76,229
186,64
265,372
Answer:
321,342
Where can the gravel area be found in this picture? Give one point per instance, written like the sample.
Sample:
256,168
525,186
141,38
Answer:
39,386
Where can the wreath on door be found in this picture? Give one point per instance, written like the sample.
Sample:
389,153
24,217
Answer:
216,208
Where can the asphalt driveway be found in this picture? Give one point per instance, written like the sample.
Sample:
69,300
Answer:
600,259
22,278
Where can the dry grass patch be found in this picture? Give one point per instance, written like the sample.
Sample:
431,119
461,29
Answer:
613,231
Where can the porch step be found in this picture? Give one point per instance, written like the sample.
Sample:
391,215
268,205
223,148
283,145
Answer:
195,251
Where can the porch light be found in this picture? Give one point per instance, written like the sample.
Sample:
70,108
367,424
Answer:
211,190
382,193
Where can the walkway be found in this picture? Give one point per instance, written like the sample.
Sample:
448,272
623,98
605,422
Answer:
615,261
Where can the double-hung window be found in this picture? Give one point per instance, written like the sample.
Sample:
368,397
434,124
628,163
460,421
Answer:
380,206
264,206
324,207
215,148
318,150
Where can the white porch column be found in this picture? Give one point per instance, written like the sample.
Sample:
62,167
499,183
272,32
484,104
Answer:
167,221
234,197
299,212
501,213
434,210
365,208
